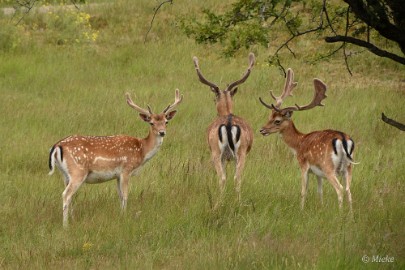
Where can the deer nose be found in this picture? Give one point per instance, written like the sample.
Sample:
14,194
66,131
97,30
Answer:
264,132
162,133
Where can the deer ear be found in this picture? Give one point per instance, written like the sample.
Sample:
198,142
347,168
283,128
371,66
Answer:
170,115
145,117
288,114
233,91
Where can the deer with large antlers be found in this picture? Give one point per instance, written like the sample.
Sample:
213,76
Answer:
96,159
229,136
326,153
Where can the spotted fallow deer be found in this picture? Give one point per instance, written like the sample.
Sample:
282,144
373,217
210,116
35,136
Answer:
229,136
96,159
326,153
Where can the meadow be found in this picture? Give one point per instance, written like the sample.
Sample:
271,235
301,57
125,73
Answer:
56,80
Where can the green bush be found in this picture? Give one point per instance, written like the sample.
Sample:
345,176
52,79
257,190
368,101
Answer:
10,37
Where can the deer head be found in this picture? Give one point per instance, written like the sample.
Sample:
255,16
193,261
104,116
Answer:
223,99
158,122
280,118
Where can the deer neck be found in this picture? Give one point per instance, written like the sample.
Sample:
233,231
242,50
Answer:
225,105
291,136
151,145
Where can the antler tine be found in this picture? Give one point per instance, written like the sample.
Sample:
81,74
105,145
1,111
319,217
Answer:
288,88
319,95
245,76
149,109
272,95
177,100
265,104
136,107
271,106
203,80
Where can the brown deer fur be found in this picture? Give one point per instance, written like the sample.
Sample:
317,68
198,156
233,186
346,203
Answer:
326,153
229,136
96,159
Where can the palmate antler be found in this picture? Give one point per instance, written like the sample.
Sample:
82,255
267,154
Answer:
288,88
319,95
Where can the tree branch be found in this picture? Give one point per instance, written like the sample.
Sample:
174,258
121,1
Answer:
344,43
371,47
293,36
154,15
29,5
381,24
392,122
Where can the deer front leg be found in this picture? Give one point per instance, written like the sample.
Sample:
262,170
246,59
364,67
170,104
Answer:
320,191
119,190
304,183
123,190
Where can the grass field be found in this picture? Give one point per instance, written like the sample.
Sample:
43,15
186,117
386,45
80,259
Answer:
52,86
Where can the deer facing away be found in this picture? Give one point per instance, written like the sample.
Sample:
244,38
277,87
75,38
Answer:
229,136
326,153
96,159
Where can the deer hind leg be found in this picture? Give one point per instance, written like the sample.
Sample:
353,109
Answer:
338,187
74,184
240,164
348,178
219,164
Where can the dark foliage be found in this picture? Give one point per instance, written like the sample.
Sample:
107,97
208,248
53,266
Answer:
370,24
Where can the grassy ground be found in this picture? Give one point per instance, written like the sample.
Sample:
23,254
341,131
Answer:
49,91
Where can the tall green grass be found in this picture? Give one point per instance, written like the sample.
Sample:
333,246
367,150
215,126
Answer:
49,91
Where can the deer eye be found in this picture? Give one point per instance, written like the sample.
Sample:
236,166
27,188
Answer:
277,122
151,124
167,122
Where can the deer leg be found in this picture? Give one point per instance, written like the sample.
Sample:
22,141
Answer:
123,189
220,168
70,190
320,191
304,184
240,164
219,163
348,178
119,190
338,187
65,179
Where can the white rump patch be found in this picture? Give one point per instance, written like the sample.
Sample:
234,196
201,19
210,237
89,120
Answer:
234,132
224,136
349,146
337,158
